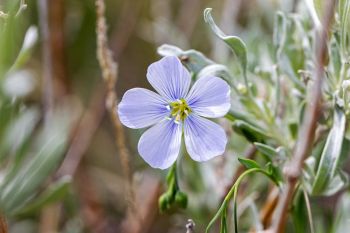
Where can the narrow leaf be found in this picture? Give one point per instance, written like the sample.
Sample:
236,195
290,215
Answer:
193,60
266,150
218,71
250,132
54,193
235,43
331,153
248,163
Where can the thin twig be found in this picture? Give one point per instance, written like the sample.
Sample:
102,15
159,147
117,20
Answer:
109,73
3,225
307,134
47,76
57,46
269,207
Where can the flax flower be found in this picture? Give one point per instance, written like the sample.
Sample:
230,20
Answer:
174,111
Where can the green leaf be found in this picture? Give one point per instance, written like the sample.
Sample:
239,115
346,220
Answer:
339,181
250,132
331,153
30,39
275,173
248,163
54,193
18,132
342,223
266,150
279,33
8,41
344,15
193,60
21,185
235,43
234,115
319,6
299,212
218,71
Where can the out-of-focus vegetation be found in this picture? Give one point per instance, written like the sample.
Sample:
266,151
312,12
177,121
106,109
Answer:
61,170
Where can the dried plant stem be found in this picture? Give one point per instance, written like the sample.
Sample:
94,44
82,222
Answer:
3,224
269,206
307,134
109,73
47,76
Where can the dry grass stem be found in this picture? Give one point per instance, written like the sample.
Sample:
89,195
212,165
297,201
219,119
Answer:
109,74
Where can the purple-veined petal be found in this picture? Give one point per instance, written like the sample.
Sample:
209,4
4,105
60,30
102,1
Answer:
169,78
209,97
160,145
141,108
204,139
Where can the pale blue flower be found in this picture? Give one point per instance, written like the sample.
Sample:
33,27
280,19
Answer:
176,111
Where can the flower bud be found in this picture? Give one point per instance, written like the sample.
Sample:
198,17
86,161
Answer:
163,203
181,199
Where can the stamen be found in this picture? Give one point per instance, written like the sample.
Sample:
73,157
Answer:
179,110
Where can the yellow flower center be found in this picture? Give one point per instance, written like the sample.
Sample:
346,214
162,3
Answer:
180,110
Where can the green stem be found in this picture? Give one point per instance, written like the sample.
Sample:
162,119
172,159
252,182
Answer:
233,193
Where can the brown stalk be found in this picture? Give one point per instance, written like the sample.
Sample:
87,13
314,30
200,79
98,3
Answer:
307,134
3,225
109,74
47,74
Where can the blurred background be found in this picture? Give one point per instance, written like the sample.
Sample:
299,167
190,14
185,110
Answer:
96,198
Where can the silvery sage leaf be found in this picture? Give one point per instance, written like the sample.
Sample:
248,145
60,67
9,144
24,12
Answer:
279,33
54,193
328,165
235,43
344,14
31,37
21,183
193,60
343,214
218,71
250,132
338,182
269,152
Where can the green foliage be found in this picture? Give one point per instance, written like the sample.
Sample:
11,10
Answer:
269,109
30,151
235,43
328,166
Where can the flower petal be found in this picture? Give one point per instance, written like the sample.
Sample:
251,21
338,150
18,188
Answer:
204,139
160,145
169,78
141,108
209,97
